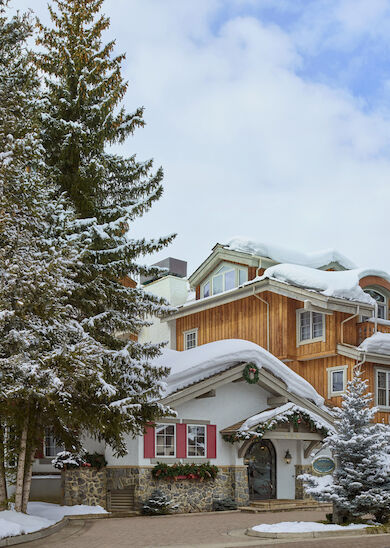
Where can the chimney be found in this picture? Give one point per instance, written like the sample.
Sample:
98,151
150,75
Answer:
175,267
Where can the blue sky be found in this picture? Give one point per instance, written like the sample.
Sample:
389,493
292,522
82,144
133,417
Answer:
271,119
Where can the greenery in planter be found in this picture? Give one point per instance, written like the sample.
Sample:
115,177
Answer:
96,460
158,504
203,471
221,505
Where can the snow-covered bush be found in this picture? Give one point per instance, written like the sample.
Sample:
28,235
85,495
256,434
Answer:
158,504
67,460
361,481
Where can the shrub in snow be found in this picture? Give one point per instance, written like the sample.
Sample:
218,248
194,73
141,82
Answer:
220,505
158,504
361,481
65,460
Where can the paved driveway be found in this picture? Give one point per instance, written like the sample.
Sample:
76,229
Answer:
190,531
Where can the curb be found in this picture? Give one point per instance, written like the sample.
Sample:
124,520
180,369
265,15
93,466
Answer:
310,534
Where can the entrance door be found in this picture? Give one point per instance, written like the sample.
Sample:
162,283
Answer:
261,461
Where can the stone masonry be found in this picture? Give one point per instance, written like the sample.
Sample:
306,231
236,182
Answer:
89,486
302,469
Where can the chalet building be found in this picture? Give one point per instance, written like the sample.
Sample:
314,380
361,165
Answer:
260,347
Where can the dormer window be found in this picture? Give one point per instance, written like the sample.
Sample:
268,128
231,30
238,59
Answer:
227,276
381,302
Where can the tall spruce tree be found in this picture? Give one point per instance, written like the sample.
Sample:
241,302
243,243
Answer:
360,446
82,118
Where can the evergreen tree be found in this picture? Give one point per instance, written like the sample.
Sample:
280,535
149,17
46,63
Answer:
83,116
360,447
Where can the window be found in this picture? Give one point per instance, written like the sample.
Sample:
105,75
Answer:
383,388
337,380
165,440
51,446
381,302
227,276
196,441
190,339
310,326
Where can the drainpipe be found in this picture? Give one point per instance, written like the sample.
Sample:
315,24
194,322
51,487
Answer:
267,304
376,318
342,326
359,363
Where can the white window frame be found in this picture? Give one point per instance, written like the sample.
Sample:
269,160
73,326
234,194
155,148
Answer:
232,266
190,332
300,311
385,303
60,447
344,368
174,441
205,441
387,371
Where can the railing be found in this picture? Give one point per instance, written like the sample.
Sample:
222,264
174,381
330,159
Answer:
366,329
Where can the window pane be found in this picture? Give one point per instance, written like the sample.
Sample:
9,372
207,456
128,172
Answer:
242,276
230,279
190,340
206,290
223,268
381,396
165,440
318,327
304,319
382,311
217,284
196,441
337,381
381,379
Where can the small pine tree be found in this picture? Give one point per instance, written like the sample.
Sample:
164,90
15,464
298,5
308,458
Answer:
158,504
360,447
82,118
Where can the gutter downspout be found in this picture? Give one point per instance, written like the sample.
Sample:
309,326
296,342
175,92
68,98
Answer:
267,304
359,363
342,326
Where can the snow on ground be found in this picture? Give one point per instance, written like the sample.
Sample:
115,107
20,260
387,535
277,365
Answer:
343,284
204,361
377,344
304,527
284,255
40,515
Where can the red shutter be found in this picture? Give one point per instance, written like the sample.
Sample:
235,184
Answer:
39,454
149,445
181,441
211,441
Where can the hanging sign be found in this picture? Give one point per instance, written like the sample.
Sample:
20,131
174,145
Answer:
323,465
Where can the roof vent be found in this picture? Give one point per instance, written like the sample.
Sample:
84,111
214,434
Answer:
175,267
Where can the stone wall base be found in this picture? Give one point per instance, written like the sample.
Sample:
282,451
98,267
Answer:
88,486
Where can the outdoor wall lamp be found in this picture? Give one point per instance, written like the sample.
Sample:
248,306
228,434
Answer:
287,457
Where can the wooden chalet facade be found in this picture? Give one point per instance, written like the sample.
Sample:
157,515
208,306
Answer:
316,336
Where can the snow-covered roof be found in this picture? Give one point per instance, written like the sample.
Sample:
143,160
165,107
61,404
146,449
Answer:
342,284
282,413
285,255
191,366
377,344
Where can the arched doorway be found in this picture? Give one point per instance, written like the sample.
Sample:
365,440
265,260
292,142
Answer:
261,461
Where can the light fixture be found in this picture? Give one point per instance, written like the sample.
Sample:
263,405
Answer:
287,457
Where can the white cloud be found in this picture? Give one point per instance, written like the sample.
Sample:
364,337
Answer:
247,145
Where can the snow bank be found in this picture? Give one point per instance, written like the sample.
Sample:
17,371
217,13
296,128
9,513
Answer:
377,344
284,255
282,413
304,527
204,361
343,284
40,515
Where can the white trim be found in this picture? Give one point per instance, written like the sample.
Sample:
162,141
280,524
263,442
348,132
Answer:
387,371
299,313
60,447
190,332
210,278
205,442
330,370
379,291
174,441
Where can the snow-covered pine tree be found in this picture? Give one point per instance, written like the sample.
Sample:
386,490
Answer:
83,116
361,482
53,372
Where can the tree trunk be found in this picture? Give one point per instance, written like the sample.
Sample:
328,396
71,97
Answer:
3,482
27,479
21,467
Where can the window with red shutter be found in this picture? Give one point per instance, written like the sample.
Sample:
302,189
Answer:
211,441
149,444
181,441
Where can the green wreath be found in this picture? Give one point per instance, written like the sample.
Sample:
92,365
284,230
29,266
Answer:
251,373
